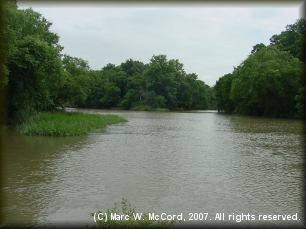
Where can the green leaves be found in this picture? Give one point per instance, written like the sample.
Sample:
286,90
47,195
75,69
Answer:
292,40
76,83
270,82
155,101
33,63
224,97
160,84
111,97
40,78
266,83
34,76
169,80
257,47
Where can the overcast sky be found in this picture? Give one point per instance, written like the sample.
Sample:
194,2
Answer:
208,39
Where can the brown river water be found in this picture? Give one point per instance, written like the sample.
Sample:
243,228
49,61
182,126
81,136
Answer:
164,162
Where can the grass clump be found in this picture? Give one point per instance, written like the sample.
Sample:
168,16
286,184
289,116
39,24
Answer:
63,123
132,222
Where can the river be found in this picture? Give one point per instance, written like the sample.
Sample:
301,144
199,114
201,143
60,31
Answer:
162,162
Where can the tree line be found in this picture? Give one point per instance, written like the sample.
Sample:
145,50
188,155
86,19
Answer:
40,78
271,80
162,83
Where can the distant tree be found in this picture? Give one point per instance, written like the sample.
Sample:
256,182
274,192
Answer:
300,98
161,78
131,67
257,47
155,101
111,96
129,99
184,95
74,65
96,89
222,91
212,98
109,66
76,81
117,76
136,91
199,93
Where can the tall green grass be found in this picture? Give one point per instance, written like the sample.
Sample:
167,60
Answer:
66,123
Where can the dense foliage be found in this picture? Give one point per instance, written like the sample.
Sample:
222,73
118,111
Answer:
160,84
33,62
40,78
270,81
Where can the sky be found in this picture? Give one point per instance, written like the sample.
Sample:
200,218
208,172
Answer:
208,39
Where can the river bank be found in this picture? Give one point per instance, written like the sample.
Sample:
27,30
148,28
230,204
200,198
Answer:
63,123
165,162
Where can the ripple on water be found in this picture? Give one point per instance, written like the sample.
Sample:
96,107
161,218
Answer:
163,162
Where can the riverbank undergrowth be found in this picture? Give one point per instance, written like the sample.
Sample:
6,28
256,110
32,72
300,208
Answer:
131,219
63,123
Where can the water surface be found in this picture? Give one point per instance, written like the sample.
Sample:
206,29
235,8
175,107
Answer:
166,162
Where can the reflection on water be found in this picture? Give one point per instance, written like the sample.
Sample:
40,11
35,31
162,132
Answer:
172,162
29,172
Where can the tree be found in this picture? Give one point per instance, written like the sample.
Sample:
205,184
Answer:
161,78
35,75
129,99
96,89
266,83
184,95
257,47
27,22
222,91
131,67
76,81
109,66
117,76
3,68
33,63
111,96
155,101
292,40
212,98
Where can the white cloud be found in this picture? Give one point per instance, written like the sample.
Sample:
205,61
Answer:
208,40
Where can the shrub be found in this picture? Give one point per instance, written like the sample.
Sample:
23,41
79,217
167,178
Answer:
128,210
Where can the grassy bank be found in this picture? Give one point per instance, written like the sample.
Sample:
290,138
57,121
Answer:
66,123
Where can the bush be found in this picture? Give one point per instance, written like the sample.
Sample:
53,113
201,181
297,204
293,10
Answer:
128,210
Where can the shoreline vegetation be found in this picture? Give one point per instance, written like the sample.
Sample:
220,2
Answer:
124,215
63,123
140,107
39,77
